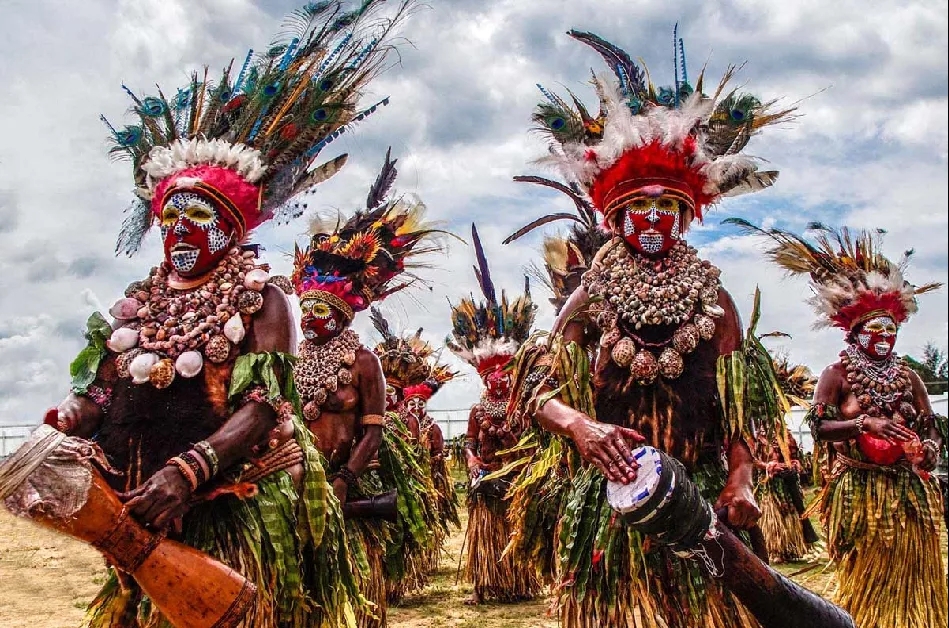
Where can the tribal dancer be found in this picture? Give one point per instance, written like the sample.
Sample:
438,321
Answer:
669,366
406,362
787,535
881,508
345,268
189,392
432,441
778,490
487,335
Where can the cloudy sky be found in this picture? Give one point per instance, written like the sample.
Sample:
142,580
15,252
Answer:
870,149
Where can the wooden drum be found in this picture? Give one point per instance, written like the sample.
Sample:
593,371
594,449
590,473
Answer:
51,480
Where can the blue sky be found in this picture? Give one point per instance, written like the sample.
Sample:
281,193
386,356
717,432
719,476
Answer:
869,150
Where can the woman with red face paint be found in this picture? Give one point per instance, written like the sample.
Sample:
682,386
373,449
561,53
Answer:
486,335
189,392
881,508
411,369
346,267
644,349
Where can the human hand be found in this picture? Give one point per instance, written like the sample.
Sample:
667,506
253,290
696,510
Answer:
606,447
68,415
474,467
341,490
773,468
743,511
161,499
885,428
796,465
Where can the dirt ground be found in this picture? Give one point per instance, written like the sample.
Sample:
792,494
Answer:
46,579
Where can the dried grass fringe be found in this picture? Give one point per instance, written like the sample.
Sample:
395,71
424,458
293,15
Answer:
495,576
781,526
884,532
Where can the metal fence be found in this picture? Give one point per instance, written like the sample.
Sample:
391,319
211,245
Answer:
454,422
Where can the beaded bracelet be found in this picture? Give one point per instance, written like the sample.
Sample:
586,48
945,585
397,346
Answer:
99,395
346,475
186,471
204,449
931,443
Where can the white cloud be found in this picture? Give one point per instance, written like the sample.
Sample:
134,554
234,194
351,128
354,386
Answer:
870,150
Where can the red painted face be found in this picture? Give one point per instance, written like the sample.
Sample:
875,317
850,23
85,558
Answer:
877,336
392,397
320,320
498,384
651,222
194,235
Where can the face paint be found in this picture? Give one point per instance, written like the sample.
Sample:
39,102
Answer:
392,397
499,385
415,407
651,224
195,238
877,336
320,320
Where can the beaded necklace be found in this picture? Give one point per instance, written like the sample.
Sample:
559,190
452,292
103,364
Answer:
167,331
882,388
322,368
634,291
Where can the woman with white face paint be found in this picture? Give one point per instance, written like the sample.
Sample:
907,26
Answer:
881,509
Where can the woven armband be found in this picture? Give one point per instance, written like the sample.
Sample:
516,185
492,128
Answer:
372,419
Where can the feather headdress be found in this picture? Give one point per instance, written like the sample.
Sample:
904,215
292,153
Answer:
677,137
488,333
565,258
369,257
851,278
250,139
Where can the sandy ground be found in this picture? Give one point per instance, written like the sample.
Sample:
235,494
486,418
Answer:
46,579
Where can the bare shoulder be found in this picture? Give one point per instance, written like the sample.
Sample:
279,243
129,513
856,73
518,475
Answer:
728,327
273,328
367,363
573,309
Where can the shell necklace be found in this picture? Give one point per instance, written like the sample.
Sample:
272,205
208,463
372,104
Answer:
166,331
322,368
676,289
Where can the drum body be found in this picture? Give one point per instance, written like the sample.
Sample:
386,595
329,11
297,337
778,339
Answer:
189,587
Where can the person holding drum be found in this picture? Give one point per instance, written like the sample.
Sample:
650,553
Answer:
189,392
648,348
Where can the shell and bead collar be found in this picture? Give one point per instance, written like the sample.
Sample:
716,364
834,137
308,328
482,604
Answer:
168,332
631,292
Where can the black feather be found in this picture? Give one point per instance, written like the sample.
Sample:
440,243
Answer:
583,205
380,323
482,272
383,183
540,222
615,57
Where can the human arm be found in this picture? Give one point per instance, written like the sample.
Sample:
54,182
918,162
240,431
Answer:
165,495
738,494
472,461
827,423
928,428
436,441
371,384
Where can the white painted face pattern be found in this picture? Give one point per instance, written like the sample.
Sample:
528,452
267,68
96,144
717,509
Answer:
864,340
192,209
184,261
650,242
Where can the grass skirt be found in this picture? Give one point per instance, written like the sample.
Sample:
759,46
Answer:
367,541
780,523
290,543
611,576
883,531
494,574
